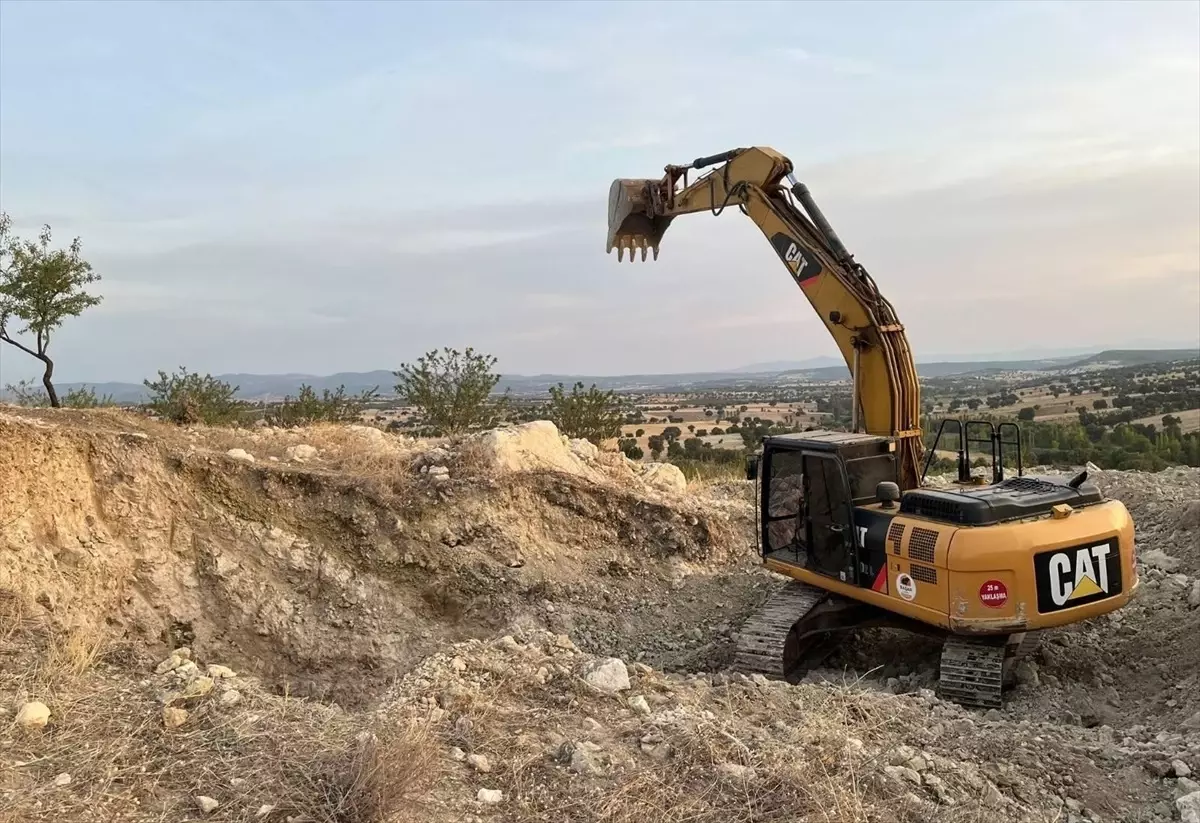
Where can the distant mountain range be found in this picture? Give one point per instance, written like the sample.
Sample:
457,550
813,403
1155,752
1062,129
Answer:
276,386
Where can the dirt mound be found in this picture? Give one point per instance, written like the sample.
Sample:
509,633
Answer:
329,560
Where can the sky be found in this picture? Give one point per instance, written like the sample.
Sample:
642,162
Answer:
321,187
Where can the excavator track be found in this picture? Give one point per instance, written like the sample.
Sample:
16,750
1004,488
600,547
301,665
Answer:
975,670
763,639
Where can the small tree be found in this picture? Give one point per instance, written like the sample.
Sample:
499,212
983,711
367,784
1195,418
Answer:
330,407
40,288
1026,413
187,398
656,442
593,415
453,390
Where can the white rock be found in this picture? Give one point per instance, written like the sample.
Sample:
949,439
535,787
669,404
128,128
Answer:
584,449
265,809
608,675
458,754
1189,808
489,795
639,705
170,664
531,447
368,433
33,715
63,779
1194,595
665,476
241,454
173,718
1180,768
207,804
737,771
230,697
216,671
479,763
458,664
300,453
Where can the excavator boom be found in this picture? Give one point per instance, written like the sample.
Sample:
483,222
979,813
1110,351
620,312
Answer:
861,321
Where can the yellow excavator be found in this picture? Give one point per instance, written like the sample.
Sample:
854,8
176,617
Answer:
982,564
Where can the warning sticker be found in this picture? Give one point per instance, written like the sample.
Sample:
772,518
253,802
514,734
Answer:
993,594
906,587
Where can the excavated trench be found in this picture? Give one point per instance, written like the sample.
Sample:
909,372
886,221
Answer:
329,587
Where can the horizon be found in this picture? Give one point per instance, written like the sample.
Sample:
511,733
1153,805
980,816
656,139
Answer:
802,365
293,188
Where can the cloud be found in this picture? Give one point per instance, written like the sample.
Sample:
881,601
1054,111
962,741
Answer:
329,201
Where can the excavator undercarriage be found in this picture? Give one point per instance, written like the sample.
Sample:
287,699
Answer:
800,626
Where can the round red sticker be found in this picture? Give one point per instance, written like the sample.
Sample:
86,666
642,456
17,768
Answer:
993,594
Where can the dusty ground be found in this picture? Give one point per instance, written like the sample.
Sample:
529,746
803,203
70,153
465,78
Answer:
395,610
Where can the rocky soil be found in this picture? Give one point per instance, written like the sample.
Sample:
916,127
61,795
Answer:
334,624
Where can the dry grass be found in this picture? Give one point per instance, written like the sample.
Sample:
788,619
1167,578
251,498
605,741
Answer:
310,761
731,754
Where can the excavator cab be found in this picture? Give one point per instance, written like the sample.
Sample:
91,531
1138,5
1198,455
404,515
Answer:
813,488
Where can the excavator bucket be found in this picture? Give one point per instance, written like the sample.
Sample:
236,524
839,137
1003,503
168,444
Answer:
632,223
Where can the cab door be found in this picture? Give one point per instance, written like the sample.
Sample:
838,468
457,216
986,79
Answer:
829,518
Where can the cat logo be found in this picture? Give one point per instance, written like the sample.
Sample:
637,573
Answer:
1076,576
800,260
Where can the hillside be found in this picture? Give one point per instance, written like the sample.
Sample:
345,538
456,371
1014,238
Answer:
335,624
1137,357
276,386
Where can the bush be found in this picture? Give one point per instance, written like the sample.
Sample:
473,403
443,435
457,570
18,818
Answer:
25,393
657,443
630,448
593,415
332,407
453,391
186,398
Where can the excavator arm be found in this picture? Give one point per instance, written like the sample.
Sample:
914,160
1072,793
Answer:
861,321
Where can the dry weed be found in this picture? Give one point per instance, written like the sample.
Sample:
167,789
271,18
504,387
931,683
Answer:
308,760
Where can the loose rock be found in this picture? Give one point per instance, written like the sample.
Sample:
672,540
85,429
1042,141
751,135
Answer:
608,675
33,715
208,805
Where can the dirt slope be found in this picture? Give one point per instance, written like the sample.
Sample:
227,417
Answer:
434,603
